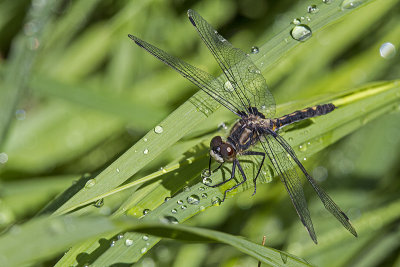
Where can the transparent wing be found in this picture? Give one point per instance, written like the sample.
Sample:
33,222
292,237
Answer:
212,86
284,167
329,204
251,164
246,87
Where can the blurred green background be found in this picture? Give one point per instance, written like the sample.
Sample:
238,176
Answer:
75,93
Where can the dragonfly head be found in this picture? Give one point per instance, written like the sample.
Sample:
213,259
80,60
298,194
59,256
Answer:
221,151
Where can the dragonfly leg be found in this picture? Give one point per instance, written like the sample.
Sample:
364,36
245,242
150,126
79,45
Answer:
256,153
209,166
232,175
237,185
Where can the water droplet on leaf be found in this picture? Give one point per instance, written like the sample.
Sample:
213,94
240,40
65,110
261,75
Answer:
99,203
169,219
254,50
350,4
193,199
387,50
312,9
146,211
90,183
228,86
128,242
158,129
216,201
301,32
296,21
207,181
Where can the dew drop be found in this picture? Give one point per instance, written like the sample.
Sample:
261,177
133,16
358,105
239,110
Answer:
145,139
179,202
296,21
304,158
146,211
253,69
204,195
174,211
20,114
312,9
301,32
158,129
303,147
327,2
143,250
120,236
183,207
216,201
146,151
202,208
222,125
193,199
207,181
320,173
169,219
205,173
166,199
350,4
90,183
387,50
255,50
228,86
201,188
145,237
128,242
3,158
99,203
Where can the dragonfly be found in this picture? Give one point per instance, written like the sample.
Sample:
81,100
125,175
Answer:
243,91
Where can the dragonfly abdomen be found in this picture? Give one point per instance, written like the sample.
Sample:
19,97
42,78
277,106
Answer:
303,114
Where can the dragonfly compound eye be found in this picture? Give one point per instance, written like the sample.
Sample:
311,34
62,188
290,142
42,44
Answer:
227,151
215,142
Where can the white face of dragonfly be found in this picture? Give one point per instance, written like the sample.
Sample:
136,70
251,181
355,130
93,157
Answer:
217,157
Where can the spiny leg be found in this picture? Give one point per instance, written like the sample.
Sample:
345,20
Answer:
209,167
256,153
232,175
239,184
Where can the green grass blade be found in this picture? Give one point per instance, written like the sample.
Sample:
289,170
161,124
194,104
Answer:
42,238
24,50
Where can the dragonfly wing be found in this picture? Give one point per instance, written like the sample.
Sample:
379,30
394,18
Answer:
246,84
214,87
329,204
284,167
